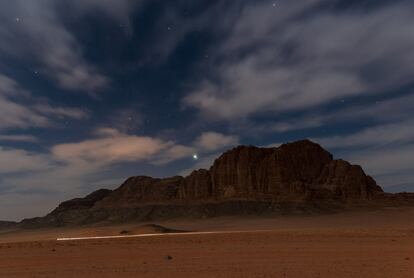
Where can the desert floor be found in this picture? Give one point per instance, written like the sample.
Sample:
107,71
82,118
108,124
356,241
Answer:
365,244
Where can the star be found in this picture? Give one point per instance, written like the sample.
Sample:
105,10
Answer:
195,156
17,19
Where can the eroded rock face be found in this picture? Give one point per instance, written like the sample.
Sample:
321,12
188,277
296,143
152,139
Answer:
239,172
82,203
196,186
346,181
296,174
293,171
292,167
141,190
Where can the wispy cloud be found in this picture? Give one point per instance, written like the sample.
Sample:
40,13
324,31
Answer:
18,138
20,161
67,167
384,150
213,141
112,146
396,134
60,112
15,113
388,111
34,30
274,60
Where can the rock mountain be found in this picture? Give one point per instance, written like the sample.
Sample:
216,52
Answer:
297,177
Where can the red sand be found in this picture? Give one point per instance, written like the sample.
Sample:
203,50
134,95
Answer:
369,244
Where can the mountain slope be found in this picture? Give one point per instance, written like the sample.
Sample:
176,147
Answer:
7,225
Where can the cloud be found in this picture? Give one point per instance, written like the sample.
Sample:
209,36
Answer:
385,151
18,138
172,153
14,115
112,147
9,87
72,169
393,110
395,133
15,206
208,145
391,166
19,109
274,61
67,168
204,162
36,190
386,161
34,31
15,160
212,141
73,113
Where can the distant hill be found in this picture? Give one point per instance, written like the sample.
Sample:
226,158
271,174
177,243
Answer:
299,177
7,224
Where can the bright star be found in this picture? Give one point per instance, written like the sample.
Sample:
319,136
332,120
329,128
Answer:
195,156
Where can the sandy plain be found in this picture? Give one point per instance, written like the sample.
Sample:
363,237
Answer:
372,244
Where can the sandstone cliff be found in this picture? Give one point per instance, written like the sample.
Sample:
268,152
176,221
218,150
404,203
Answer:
299,176
299,170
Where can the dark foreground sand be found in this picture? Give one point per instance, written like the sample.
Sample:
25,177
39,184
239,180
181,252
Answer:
370,244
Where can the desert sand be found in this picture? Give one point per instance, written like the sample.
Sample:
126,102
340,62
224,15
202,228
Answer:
373,244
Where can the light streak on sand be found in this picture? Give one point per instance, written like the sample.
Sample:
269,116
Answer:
156,235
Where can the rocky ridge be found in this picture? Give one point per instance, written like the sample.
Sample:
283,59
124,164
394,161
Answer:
297,177
7,224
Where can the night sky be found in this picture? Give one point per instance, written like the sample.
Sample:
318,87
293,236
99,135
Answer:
95,91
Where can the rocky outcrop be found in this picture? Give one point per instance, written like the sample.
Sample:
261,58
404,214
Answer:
82,203
346,181
295,176
249,172
140,190
239,173
77,211
7,225
196,186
